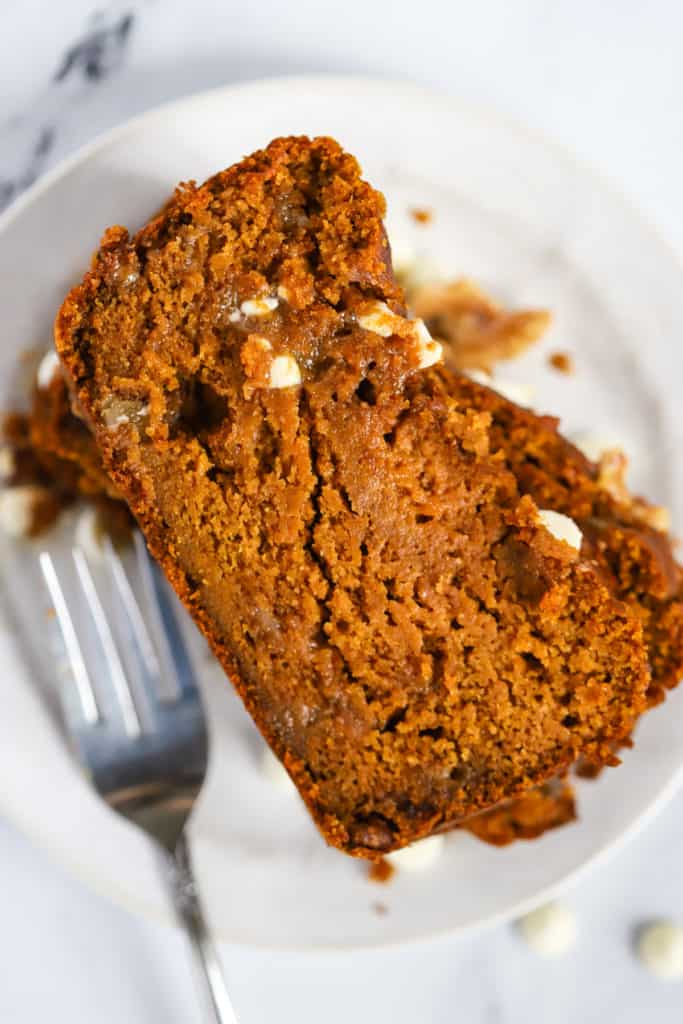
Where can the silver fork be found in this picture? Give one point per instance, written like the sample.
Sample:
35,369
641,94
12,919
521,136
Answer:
135,717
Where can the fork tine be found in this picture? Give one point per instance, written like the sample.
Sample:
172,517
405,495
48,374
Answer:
132,610
170,688
84,687
131,719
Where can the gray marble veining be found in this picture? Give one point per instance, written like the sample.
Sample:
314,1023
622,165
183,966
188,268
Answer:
28,136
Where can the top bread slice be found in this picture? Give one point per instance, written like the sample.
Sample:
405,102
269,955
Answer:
409,637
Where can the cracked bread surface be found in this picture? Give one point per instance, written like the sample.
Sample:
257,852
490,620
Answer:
410,640
621,532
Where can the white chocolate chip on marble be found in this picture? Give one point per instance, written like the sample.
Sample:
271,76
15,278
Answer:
550,930
418,856
47,368
274,770
17,505
561,527
660,949
259,307
284,372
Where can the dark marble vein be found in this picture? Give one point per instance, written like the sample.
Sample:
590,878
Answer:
99,52
92,58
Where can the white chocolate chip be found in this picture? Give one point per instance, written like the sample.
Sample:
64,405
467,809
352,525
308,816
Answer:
418,856
660,949
379,319
283,293
561,527
235,316
17,505
88,535
429,351
550,930
284,372
273,770
8,463
117,411
259,307
47,368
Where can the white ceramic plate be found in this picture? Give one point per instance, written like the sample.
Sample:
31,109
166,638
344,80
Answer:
526,221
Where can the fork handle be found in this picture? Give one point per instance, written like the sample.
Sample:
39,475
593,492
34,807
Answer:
189,911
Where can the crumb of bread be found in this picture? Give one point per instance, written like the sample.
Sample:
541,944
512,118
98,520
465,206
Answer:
562,362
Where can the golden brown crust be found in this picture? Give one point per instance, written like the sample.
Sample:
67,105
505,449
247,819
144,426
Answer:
408,637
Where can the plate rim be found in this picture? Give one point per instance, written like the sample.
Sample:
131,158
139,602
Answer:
449,103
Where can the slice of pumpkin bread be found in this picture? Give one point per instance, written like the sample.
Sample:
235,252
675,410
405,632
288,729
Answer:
409,636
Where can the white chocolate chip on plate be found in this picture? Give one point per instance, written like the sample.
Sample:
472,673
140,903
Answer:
550,930
561,527
418,856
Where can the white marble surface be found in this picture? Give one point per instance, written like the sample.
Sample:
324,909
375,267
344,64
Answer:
606,80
